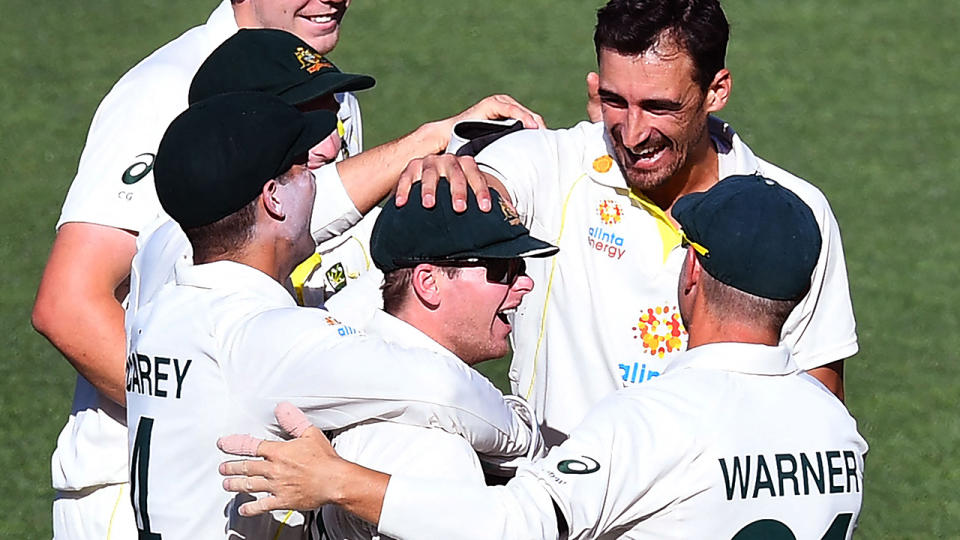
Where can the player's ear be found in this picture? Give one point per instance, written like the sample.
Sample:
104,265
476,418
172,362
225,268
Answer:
425,285
718,92
270,198
690,273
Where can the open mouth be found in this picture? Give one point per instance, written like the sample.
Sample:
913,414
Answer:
504,313
649,154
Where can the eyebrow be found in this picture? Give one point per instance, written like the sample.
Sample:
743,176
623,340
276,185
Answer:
664,104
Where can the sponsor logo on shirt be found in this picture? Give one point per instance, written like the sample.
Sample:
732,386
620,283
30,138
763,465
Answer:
603,163
310,60
661,331
139,169
606,242
637,373
575,466
610,212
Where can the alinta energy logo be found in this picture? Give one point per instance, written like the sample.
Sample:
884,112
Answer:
610,212
661,331
605,240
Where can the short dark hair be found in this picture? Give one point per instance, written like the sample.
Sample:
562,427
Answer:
396,286
730,303
229,234
697,26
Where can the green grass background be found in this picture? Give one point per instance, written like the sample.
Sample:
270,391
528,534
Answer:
859,96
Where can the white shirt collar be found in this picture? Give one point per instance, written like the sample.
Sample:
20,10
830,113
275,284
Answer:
232,275
749,358
222,24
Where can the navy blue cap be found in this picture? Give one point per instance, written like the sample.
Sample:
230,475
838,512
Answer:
759,236
216,156
272,61
406,236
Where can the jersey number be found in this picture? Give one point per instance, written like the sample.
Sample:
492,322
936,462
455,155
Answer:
772,529
139,464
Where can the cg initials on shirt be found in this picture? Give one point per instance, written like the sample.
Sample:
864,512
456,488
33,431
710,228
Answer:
771,529
139,465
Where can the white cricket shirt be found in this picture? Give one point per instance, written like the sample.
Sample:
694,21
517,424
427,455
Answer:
114,187
604,313
729,437
397,448
214,351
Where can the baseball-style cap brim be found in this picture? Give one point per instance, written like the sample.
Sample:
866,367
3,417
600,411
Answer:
317,127
328,83
521,246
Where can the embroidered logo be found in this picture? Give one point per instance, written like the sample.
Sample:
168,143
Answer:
575,466
510,214
311,61
610,212
603,163
336,277
661,331
331,321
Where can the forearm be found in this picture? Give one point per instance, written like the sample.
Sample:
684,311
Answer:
369,176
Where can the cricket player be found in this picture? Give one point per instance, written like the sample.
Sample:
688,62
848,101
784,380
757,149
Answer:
730,442
112,200
605,315
450,279
218,346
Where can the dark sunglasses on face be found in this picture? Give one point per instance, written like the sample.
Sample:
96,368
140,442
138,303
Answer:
502,271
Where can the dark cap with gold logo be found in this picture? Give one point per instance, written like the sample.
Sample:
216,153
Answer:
407,236
275,62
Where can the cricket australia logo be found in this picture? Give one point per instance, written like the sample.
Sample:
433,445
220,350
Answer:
311,61
510,214
610,212
661,331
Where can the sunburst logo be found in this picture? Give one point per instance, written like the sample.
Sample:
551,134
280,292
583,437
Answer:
661,331
610,212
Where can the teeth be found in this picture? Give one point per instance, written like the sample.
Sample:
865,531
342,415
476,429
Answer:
508,311
321,19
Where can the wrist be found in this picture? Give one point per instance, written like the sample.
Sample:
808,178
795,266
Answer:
433,137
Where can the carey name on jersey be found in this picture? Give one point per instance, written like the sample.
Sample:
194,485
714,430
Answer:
156,376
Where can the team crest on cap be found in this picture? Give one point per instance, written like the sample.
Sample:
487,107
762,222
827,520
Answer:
661,331
510,214
311,61
610,212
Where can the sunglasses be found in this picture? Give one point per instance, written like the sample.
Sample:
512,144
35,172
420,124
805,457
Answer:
502,271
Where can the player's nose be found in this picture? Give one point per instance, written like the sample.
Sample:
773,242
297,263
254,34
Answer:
636,128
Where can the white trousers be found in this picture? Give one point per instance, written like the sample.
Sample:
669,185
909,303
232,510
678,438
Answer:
98,513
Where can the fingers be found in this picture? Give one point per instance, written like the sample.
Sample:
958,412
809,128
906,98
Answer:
411,173
594,111
503,106
260,506
243,484
245,467
291,419
478,183
239,445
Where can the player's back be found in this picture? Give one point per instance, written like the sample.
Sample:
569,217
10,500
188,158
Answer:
178,404
769,455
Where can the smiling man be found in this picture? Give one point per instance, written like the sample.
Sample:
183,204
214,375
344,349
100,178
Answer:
449,280
606,315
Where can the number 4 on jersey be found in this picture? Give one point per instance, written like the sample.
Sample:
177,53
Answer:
139,465
771,529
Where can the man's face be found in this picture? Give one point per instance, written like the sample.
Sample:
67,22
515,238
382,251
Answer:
315,21
299,193
654,112
327,150
476,309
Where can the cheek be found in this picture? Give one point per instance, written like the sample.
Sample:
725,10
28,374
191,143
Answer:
325,152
